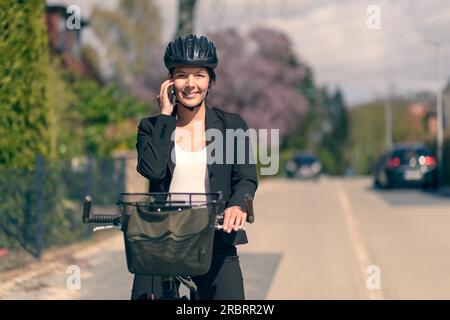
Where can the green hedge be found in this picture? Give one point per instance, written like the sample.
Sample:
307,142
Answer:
51,112
35,212
23,63
24,133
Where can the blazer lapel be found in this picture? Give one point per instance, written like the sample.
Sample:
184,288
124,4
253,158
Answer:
212,121
171,164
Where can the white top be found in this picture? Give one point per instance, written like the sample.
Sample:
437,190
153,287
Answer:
191,171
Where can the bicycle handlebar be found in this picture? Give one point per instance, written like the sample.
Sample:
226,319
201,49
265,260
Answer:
98,218
105,218
87,208
116,219
249,208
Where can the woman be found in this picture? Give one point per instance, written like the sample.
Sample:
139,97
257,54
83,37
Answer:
172,154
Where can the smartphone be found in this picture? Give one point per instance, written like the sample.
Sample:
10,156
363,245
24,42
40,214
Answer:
171,94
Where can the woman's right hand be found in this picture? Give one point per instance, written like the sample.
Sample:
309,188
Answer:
165,105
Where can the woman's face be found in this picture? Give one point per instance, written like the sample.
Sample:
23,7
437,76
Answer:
191,84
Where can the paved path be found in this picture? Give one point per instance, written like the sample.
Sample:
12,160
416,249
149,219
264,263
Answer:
327,239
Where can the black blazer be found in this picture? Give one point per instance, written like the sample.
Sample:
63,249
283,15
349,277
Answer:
234,181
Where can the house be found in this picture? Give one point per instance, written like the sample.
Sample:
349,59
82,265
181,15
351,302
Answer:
64,42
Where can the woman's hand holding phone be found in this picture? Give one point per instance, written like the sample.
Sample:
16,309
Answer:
165,103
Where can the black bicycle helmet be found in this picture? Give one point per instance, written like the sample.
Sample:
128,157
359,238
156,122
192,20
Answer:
190,50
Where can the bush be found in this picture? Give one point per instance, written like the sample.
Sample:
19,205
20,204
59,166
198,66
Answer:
35,212
23,63
49,112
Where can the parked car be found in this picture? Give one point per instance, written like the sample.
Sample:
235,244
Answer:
405,165
303,166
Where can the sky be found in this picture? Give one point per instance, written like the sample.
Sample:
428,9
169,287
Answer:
333,38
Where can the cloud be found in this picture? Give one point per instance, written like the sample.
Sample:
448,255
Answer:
333,38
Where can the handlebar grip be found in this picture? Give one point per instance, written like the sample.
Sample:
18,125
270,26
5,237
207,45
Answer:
105,218
97,218
249,208
87,208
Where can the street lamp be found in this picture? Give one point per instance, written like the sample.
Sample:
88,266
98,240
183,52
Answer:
439,110
389,139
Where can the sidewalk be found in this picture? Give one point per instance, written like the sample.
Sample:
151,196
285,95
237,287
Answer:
444,191
26,280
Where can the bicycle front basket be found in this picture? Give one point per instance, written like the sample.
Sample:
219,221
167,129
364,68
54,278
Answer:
168,240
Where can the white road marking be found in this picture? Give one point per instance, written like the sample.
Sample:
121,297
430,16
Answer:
358,241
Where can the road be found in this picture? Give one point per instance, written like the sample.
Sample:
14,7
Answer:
333,238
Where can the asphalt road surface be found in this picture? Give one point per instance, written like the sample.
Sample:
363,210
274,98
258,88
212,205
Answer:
328,239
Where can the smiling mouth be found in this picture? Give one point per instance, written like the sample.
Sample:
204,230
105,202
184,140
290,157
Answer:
190,95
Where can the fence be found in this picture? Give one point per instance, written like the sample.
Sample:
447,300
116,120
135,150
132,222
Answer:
41,208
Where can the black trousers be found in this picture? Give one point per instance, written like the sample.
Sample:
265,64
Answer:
222,282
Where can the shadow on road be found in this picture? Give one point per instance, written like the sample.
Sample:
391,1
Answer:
410,196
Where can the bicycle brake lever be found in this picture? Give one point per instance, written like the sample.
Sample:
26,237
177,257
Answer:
102,228
249,208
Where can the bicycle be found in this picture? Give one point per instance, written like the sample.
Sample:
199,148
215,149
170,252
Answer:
162,221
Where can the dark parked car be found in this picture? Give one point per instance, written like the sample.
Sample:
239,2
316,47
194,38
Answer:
405,165
303,166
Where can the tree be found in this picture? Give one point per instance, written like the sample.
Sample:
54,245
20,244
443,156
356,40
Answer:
367,129
305,135
109,116
186,10
65,121
129,33
24,118
336,126
257,76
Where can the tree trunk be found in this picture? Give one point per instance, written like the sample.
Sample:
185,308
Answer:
186,17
